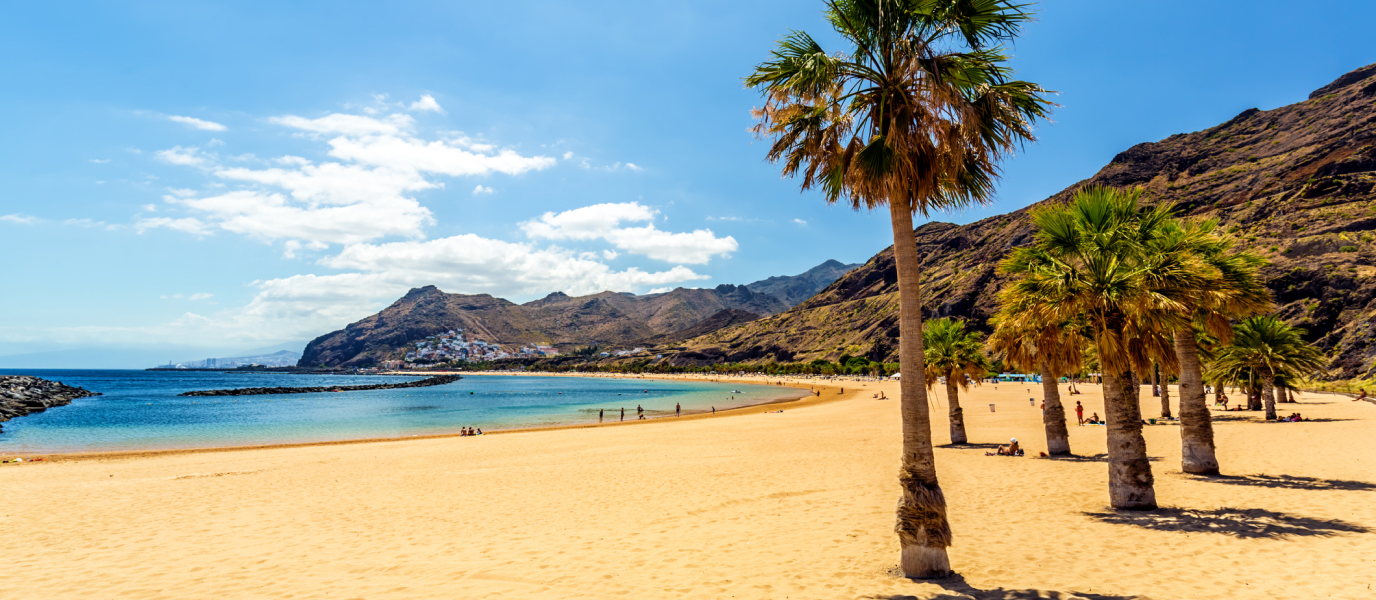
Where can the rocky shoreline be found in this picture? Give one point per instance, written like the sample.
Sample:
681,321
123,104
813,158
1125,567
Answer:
260,391
22,395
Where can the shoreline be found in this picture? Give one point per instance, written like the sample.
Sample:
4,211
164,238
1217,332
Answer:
797,402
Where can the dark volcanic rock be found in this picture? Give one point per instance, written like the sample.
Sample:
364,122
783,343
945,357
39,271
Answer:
263,391
23,395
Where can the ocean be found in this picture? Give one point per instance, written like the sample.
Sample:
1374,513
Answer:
140,410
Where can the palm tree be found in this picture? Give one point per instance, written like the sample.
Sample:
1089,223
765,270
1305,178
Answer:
1266,349
1234,291
916,115
1046,349
1124,270
952,352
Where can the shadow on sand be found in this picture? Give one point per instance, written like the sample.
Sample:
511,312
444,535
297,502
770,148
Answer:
1249,523
958,589
1289,482
1089,458
971,446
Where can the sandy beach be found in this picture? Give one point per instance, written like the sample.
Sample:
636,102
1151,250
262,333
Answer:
753,504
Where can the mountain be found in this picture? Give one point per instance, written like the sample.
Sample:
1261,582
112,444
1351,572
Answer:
1296,184
793,290
608,318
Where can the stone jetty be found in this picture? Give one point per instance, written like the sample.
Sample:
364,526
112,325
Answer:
23,395
260,391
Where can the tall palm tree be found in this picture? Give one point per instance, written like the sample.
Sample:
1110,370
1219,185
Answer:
1234,291
1047,349
1122,268
915,115
1267,349
952,352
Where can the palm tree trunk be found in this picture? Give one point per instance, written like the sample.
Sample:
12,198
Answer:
1268,394
1130,483
956,412
1053,418
1160,385
1196,425
922,528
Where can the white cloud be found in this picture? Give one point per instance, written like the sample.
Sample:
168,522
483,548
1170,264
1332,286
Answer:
432,157
100,161
603,221
150,207
474,265
633,167
481,190
426,103
610,254
348,124
365,195
197,123
20,219
661,290
84,223
800,221
215,142
568,155
178,155
723,218
188,225
201,296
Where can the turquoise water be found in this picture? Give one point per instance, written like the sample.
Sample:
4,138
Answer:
140,410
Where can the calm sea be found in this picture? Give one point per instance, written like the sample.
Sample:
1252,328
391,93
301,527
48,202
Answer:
140,410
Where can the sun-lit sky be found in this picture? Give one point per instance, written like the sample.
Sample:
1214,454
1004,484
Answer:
220,176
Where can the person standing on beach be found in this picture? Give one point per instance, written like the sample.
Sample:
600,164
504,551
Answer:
623,413
599,415
1080,412
714,410
678,409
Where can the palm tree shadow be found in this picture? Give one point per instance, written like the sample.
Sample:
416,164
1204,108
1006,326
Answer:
1089,458
961,590
1290,482
1250,523
968,446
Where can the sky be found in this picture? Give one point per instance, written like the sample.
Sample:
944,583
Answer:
212,177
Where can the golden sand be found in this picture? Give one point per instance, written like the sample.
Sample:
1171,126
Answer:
797,504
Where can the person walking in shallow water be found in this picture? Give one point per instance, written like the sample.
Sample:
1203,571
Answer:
639,413
599,414
623,413
678,409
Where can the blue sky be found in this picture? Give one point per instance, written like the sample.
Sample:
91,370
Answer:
211,177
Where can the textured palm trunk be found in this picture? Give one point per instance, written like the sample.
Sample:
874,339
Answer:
1164,384
923,530
956,412
1268,395
1130,483
1053,418
1196,425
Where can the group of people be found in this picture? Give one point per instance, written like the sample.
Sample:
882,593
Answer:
1080,415
1294,418
467,431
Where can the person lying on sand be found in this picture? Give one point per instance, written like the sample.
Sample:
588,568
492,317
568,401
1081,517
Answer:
1009,450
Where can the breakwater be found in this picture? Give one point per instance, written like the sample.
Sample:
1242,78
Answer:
261,391
23,395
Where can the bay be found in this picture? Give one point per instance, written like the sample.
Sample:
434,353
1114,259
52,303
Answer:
140,410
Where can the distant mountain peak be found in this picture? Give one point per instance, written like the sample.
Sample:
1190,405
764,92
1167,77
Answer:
1347,79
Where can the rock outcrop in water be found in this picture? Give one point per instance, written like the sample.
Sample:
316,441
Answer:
263,391
24,395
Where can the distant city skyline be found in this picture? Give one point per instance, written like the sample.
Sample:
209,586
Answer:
184,180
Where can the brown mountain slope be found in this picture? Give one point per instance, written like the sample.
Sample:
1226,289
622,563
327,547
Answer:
557,319
1296,184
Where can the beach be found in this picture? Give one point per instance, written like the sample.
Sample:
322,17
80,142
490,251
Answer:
754,504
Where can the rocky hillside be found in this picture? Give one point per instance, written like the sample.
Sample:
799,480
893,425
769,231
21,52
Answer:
793,290
566,322
1297,184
